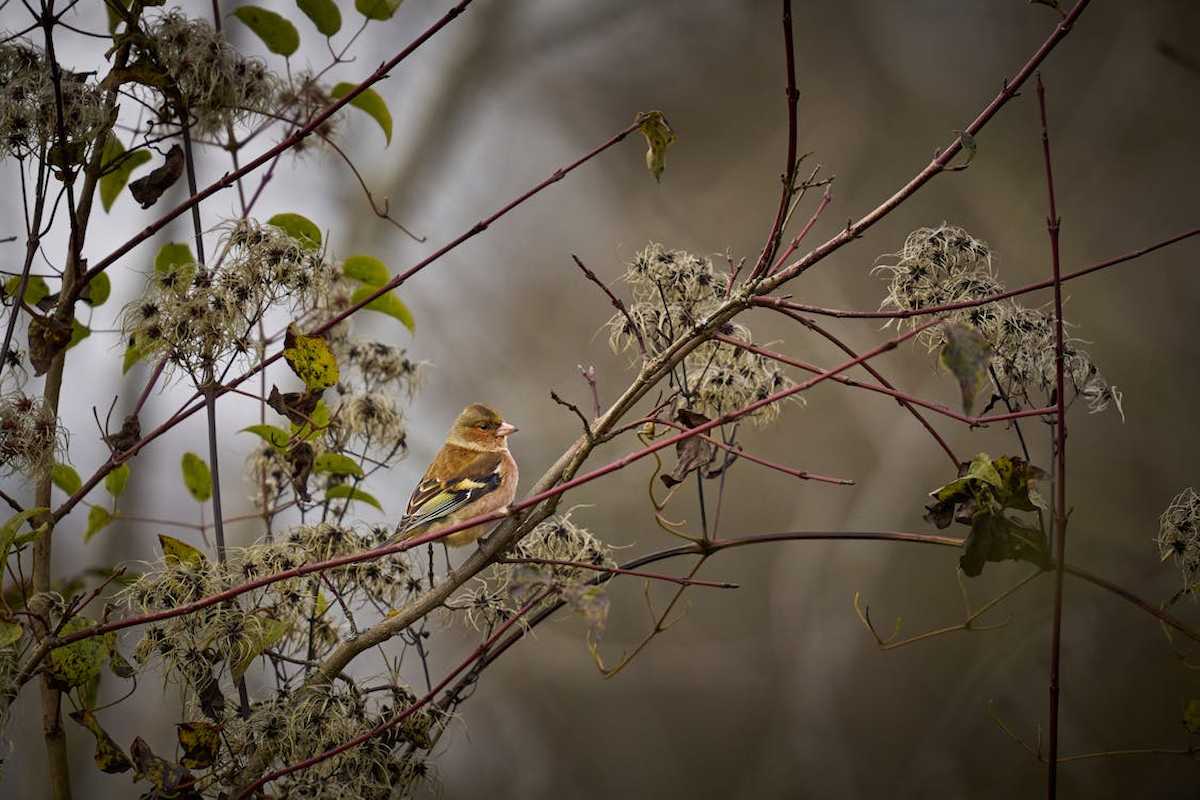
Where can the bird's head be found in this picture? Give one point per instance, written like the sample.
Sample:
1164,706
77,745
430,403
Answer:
480,428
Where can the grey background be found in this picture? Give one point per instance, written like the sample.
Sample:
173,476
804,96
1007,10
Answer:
774,690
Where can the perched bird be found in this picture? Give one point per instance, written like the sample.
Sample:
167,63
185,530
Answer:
472,474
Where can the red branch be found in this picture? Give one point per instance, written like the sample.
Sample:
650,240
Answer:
655,576
529,502
907,398
850,313
1060,451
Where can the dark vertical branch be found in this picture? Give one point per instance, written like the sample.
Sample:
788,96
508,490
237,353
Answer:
1060,460
789,171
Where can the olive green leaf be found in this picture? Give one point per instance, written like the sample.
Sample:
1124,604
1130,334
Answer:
337,464
967,354
386,303
319,422
323,13
179,553
66,478
348,492
300,228
77,663
310,358
10,633
114,482
276,437
133,354
200,742
109,756
196,477
256,639
11,528
366,269
997,537
659,137
36,289
98,519
277,33
1191,716
369,101
116,167
79,332
377,9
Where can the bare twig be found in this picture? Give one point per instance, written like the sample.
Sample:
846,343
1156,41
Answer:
616,301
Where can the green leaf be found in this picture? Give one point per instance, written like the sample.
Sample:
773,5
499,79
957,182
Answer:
659,136
10,633
385,304
196,477
115,174
13,525
133,354
276,437
377,9
99,518
323,13
369,101
348,492
982,469
97,290
114,482
319,422
279,35
300,228
79,662
366,269
310,358
255,641
114,19
967,354
337,464
200,742
179,553
170,780
66,478
109,756
79,332
176,257
36,289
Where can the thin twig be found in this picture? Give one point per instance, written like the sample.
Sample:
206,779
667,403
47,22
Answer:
616,301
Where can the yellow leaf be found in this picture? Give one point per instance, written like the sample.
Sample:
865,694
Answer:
659,137
310,358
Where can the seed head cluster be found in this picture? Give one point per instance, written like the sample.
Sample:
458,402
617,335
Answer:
946,265
31,439
29,108
1179,537
216,84
674,292
199,317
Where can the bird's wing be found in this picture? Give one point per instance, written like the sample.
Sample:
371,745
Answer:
438,496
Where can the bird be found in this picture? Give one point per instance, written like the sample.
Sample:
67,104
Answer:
473,474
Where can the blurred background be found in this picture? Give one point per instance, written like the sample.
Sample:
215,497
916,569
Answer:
775,689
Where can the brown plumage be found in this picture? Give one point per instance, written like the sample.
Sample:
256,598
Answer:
472,474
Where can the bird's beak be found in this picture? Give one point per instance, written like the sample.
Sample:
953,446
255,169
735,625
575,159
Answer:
505,429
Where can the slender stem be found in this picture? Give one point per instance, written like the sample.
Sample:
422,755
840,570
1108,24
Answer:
1060,466
790,165
621,571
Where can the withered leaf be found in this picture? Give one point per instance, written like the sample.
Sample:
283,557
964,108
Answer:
169,779
301,457
148,189
693,453
296,406
109,756
127,437
200,742
212,702
48,337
